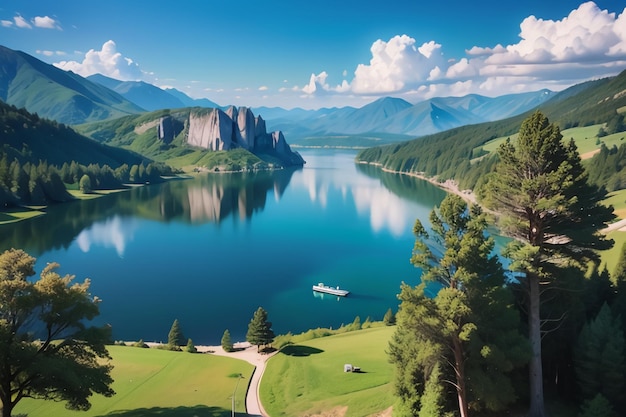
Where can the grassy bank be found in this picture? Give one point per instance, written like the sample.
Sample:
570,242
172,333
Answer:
308,378
153,382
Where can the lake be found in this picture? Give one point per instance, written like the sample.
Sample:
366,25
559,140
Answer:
209,251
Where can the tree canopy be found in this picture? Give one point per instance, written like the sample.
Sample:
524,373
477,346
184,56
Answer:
46,349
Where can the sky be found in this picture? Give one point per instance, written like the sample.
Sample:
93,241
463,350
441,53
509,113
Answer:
325,53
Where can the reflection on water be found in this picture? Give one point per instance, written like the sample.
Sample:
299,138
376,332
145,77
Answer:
113,232
217,247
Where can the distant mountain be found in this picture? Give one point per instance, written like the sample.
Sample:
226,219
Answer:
398,117
144,95
191,102
53,93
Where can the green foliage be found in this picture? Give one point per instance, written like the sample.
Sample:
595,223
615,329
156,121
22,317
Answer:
140,344
390,318
66,362
598,406
260,331
175,337
599,358
85,184
190,347
227,343
468,329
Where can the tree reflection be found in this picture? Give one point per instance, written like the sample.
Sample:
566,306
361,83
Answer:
205,198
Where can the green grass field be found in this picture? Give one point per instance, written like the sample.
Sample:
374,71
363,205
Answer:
308,378
586,139
154,382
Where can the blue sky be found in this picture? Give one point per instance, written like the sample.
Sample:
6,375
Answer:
326,53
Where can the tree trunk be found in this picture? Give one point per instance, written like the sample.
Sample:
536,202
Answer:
460,378
537,408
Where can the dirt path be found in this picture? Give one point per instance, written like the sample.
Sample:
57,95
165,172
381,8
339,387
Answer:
249,354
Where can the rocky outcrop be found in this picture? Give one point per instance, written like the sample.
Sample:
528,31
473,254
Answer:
168,128
219,130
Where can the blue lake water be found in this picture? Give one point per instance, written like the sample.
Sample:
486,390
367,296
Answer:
210,250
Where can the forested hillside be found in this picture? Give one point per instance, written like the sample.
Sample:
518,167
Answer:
451,154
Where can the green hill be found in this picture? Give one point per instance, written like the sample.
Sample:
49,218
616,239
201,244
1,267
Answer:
55,94
29,138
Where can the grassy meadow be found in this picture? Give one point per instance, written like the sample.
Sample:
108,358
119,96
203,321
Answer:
308,378
155,382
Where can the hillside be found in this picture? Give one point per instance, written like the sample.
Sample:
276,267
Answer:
450,154
29,138
55,94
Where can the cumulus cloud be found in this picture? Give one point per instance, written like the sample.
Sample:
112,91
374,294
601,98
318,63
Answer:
107,61
22,23
587,43
46,22
6,23
396,64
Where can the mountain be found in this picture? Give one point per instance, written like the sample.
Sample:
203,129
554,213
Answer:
55,94
395,116
150,97
191,102
144,95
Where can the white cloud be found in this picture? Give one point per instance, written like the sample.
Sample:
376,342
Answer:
396,65
263,88
588,43
6,23
50,53
46,22
20,22
107,61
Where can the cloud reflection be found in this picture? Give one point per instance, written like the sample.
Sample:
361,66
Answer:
111,233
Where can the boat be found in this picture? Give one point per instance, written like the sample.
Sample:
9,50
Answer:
330,290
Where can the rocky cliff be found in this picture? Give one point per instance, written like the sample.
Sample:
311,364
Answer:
219,130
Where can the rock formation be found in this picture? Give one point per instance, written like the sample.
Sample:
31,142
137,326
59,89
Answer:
168,128
219,130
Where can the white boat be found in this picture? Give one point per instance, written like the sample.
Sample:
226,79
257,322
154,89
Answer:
330,290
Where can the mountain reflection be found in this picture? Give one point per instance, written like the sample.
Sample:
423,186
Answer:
203,199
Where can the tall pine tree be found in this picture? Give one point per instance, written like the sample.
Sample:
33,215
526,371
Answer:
260,331
555,215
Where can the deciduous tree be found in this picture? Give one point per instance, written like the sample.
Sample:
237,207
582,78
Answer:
555,215
46,349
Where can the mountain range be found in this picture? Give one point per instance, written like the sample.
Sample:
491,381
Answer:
69,98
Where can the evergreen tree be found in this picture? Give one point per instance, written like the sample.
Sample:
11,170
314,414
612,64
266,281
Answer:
227,343
599,358
433,399
469,328
260,329
390,318
175,337
555,215
190,347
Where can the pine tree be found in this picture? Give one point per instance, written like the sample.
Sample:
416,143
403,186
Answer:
190,347
260,329
541,188
599,358
175,337
468,328
390,318
227,343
